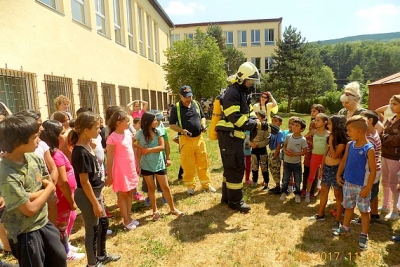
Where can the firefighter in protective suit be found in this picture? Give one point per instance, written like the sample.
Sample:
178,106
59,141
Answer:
238,117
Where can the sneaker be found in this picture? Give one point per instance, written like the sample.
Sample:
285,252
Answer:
138,197
316,217
396,238
383,209
109,258
356,221
363,242
71,256
147,202
249,182
130,226
283,197
109,215
392,216
72,248
265,188
211,189
109,232
303,193
297,198
275,191
190,191
336,225
135,222
241,207
307,199
340,232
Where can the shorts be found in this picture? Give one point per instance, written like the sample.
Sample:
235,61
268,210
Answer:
329,175
150,173
351,197
375,190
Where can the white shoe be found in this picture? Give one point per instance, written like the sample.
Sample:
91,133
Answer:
134,222
73,248
392,216
190,191
71,256
383,209
211,189
283,197
109,232
297,198
307,199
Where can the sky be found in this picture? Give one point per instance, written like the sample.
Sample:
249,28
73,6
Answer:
317,20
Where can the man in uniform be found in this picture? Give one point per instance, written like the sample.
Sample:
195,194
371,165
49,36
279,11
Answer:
238,117
188,119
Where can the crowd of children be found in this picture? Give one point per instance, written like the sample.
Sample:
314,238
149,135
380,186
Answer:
42,190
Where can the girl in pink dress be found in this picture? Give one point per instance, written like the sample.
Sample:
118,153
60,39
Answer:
137,112
121,160
52,135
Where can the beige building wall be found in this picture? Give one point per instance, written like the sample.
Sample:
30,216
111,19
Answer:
39,39
263,45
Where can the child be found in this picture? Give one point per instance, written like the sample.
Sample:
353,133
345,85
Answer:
335,145
274,159
391,160
320,135
121,165
88,176
294,147
358,164
52,134
152,162
259,155
373,137
285,134
25,187
315,109
247,158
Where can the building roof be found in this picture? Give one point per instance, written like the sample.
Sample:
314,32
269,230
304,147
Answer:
162,13
394,78
228,22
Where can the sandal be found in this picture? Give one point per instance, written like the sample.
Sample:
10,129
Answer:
156,216
178,213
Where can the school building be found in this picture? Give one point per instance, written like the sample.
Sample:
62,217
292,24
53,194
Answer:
96,52
257,38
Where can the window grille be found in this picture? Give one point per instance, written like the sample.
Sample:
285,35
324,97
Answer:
88,95
56,86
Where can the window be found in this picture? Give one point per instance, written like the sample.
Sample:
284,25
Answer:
153,97
242,35
165,98
269,37
189,35
109,98
18,90
53,4
78,11
174,38
117,21
145,95
229,38
100,17
159,101
140,28
88,95
156,44
135,92
131,25
56,86
257,62
255,38
269,63
149,38
123,95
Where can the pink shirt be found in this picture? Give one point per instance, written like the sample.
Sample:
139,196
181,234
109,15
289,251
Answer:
137,114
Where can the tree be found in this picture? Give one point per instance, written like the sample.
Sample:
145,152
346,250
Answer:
233,57
198,63
294,67
356,75
326,79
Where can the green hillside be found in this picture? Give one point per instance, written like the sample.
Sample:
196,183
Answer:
381,37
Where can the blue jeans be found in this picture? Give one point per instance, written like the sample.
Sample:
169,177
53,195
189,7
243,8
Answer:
288,170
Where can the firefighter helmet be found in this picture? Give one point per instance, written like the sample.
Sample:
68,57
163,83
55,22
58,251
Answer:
247,71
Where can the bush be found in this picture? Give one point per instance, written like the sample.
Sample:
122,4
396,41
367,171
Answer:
331,102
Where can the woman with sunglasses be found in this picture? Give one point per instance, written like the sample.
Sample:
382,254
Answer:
137,112
267,106
351,99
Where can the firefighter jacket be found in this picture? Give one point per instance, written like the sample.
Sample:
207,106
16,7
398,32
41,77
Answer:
238,115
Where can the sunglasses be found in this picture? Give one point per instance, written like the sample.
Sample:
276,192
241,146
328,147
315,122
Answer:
348,94
263,96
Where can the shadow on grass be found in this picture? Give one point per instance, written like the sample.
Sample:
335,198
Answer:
202,223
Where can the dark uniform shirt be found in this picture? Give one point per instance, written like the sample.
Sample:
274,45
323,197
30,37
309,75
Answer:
190,117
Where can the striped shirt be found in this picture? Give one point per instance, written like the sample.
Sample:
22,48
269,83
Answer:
376,142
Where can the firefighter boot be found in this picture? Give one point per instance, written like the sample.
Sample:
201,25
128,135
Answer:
236,201
224,198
